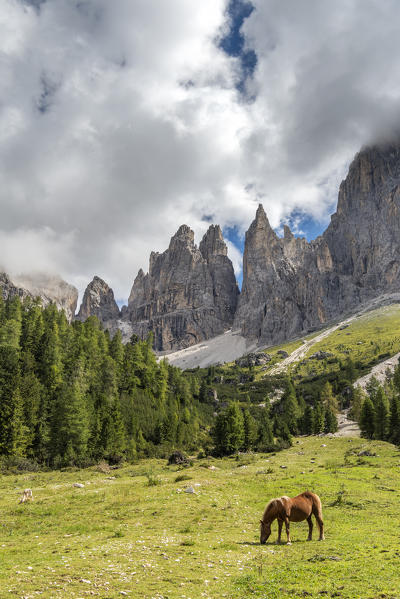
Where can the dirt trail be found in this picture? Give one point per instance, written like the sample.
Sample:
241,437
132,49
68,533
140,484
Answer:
301,351
346,427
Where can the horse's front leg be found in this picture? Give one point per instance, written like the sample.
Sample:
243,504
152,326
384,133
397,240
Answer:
289,542
280,524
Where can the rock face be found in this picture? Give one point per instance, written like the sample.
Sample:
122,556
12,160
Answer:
47,288
98,300
188,295
9,289
291,286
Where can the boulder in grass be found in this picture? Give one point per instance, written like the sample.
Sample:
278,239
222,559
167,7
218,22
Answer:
321,355
178,458
79,485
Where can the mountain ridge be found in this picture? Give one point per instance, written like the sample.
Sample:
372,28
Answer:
290,286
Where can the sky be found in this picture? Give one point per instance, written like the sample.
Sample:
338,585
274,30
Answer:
120,121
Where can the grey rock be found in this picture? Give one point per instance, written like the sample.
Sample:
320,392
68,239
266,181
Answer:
189,294
98,300
291,285
282,353
253,359
321,355
48,288
212,394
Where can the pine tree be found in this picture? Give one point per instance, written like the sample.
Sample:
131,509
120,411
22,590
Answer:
249,429
19,431
203,392
367,419
331,424
359,396
309,420
228,432
350,370
70,422
117,350
141,445
31,392
396,378
9,380
162,381
328,399
282,433
116,440
372,388
265,438
381,415
394,425
169,426
290,409
319,418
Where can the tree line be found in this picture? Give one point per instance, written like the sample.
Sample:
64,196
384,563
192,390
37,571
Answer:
271,425
377,409
70,394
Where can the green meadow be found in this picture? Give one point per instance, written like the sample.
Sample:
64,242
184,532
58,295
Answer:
135,532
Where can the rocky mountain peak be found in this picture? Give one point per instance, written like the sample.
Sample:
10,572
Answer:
260,230
372,172
188,295
291,286
213,243
48,288
98,300
287,233
184,235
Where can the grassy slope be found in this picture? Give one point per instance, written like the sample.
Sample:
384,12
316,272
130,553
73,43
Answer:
369,339
153,541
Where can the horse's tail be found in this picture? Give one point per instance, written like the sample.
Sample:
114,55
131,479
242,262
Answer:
317,511
317,505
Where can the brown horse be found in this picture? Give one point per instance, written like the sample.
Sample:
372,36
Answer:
292,509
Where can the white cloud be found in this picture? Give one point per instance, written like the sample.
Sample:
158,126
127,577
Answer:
121,120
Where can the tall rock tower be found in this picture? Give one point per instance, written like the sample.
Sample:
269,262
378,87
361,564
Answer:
188,295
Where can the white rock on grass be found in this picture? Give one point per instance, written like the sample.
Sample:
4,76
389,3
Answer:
190,490
78,485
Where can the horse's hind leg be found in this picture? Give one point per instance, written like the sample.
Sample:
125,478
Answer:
321,526
310,527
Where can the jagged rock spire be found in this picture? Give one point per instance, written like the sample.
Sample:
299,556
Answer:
188,295
98,300
213,243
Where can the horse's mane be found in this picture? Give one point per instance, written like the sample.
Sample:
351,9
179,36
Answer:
272,507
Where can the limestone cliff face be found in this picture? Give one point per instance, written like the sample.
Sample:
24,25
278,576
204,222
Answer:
290,285
98,300
47,287
282,283
188,295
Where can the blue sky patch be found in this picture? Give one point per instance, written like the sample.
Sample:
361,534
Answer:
233,42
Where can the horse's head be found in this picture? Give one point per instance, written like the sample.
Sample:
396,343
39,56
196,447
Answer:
265,531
